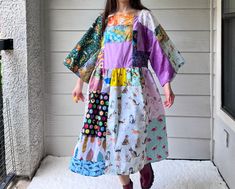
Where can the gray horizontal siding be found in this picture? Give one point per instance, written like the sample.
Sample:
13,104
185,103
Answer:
188,121
186,41
193,66
190,148
184,84
185,105
153,4
170,19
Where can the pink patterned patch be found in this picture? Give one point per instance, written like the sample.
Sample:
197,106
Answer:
159,156
154,129
154,148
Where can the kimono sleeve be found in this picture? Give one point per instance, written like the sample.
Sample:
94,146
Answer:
164,57
81,59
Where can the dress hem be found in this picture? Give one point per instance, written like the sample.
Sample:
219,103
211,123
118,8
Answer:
95,169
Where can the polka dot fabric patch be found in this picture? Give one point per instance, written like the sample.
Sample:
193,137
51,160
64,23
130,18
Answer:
95,120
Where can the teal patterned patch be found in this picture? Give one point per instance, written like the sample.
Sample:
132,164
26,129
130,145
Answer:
82,58
157,147
87,168
118,33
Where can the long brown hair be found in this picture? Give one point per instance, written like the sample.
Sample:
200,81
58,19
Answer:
111,7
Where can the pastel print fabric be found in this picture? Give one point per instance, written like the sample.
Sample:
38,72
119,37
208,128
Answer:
124,123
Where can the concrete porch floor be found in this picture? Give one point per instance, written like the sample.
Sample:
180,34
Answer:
53,173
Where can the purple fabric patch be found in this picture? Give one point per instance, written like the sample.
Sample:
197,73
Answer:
158,59
142,39
118,55
140,58
136,22
160,64
146,44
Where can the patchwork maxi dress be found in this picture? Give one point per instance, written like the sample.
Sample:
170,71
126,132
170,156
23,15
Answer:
124,125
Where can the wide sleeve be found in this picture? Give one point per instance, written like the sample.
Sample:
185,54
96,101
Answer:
82,58
164,57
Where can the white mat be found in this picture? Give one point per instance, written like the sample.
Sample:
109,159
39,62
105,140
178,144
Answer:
169,174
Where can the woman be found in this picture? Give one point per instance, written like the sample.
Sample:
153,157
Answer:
124,127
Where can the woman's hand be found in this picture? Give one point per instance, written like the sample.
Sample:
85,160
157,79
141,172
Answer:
169,95
77,91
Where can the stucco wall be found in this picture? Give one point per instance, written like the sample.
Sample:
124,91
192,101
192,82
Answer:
22,82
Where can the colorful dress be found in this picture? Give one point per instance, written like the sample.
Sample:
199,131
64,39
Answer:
124,125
